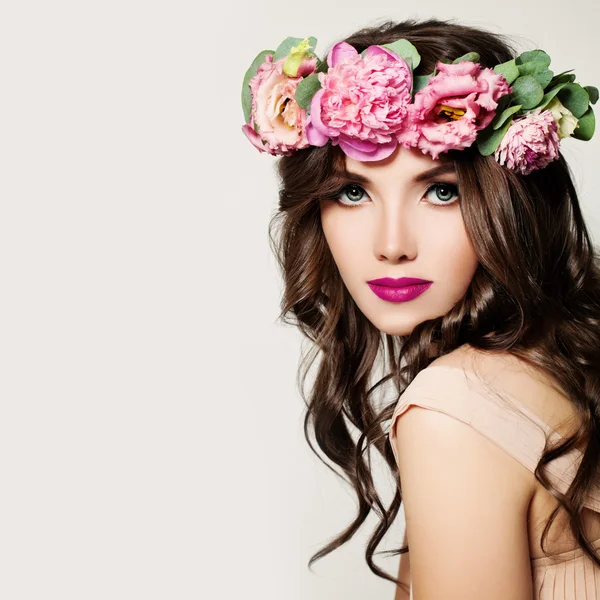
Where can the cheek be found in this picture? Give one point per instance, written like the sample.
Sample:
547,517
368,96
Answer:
456,258
344,235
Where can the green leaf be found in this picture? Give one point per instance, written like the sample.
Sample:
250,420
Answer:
537,69
503,103
286,46
250,73
508,69
406,50
592,93
472,56
306,89
575,98
586,125
564,77
489,138
500,119
322,66
533,55
550,94
419,82
527,91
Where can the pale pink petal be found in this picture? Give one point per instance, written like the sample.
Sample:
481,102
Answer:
363,99
307,67
340,52
253,137
366,151
494,86
314,136
465,67
531,142
315,116
463,85
279,120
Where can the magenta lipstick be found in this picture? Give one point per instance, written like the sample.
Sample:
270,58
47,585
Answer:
399,290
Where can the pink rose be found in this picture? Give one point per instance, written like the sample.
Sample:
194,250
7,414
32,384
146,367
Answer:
456,103
362,103
531,142
280,121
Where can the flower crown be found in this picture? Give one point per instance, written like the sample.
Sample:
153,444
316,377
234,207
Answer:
369,103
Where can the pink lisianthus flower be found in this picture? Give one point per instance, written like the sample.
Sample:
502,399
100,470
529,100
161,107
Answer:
280,121
455,104
362,103
531,142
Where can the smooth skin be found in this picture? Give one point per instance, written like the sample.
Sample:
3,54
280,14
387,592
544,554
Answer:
394,227
465,499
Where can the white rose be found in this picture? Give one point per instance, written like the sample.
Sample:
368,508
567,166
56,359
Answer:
563,116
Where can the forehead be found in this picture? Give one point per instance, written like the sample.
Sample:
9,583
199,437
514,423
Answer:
403,165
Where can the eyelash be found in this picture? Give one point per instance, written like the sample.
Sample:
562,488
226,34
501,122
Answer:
435,185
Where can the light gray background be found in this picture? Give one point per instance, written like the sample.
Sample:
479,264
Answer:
151,439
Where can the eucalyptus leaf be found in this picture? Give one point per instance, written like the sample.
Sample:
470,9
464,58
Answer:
539,70
586,126
502,103
592,92
533,55
550,94
508,69
419,82
250,73
406,50
286,46
500,119
489,139
564,77
472,56
306,89
527,91
575,98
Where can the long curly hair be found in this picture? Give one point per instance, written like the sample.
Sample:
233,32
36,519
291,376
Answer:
535,294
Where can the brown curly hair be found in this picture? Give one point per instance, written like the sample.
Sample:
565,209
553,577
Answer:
535,294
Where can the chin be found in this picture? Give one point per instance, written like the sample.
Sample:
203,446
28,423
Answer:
398,324
394,327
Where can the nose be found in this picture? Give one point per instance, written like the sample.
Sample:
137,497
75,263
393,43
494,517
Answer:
394,237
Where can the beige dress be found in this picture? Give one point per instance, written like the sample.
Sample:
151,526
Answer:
568,575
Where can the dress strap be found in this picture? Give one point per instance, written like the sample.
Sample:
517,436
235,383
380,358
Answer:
462,395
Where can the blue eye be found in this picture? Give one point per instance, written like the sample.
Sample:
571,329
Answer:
444,195
354,195
444,192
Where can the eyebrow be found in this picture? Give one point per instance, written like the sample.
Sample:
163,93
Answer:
442,169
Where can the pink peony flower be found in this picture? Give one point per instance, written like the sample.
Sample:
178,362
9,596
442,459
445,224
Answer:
280,121
362,103
456,103
531,142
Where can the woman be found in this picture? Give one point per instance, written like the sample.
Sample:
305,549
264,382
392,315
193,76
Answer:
429,227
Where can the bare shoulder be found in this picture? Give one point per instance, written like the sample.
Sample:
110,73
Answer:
460,490
473,359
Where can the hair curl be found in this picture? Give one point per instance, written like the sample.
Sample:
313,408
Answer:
535,294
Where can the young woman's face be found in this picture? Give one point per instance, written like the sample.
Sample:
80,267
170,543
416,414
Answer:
400,222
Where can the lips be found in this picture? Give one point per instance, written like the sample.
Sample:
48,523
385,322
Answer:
401,282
